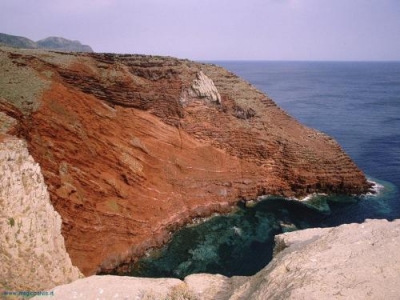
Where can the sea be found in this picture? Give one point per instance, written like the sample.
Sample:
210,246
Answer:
357,103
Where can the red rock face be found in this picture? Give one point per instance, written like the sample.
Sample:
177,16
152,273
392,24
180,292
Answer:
129,153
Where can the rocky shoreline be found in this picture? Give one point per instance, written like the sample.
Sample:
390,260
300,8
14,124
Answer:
132,147
354,261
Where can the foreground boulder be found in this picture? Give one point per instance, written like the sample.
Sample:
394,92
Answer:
355,261
132,147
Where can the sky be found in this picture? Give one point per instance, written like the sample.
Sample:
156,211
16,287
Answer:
216,29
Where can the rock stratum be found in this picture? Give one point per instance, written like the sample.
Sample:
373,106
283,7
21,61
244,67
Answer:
355,261
132,147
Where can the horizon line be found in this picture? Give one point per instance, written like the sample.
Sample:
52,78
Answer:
290,60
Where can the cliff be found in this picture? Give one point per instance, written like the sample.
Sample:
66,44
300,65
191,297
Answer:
53,43
32,250
355,261
132,147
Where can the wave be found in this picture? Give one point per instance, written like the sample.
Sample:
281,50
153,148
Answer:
376,187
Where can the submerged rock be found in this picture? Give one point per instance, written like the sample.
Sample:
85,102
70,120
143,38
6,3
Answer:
355,261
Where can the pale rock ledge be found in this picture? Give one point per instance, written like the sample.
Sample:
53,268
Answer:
354,261
32,250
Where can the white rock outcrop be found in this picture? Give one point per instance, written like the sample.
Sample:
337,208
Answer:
202,87
355,261
32,250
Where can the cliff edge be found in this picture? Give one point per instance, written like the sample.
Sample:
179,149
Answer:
32,250
131,147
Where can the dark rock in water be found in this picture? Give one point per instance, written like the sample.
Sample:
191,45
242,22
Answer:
133,147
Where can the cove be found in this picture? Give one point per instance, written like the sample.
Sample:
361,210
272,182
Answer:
358,104
241,243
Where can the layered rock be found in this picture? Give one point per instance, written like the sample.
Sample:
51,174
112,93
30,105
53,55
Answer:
355,261
132,147
32,250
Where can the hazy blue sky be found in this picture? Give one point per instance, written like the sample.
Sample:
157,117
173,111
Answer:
217,29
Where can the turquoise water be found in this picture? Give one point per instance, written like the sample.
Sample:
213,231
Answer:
356,103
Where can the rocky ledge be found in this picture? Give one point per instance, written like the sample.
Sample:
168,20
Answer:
132,147
355,261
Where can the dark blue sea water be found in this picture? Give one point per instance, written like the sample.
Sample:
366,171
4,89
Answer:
357,103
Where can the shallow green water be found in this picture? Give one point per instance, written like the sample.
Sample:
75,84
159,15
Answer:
241,243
